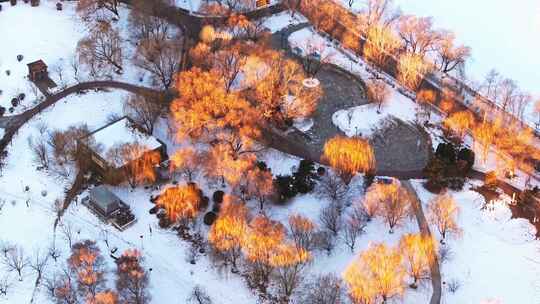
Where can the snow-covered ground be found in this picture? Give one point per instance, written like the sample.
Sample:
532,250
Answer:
51,36
279,21
494,258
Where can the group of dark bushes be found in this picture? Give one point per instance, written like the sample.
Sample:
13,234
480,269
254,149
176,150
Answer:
302,181
448,167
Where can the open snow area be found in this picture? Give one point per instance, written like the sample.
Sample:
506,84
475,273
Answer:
494,258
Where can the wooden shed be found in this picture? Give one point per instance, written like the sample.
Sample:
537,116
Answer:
37,70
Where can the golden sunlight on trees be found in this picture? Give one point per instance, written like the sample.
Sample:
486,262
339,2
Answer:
426,98
180,202
418,34
418,252
205,108
260,245
302,231
138,165
186,161
105,297
378,274
460,123
442,213
377,92
260,185
228,232
349,156
87,266
412,69
289,261
390,201
221,163
381,45
280,94
449,56
484,135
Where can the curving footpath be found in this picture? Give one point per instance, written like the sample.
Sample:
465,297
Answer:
425,231
13,123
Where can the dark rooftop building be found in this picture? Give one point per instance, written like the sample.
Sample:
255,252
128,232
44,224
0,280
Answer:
37,70
109,208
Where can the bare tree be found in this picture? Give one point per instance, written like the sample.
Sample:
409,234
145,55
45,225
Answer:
54,252
333,188
97,10
302,232
325,289
418,34
101,50
38,263
378,13
228,63
292,5
68,232
5,286
330,218
354,227
41,153
144,110
16,261
449,56
132,278
377,92
199,296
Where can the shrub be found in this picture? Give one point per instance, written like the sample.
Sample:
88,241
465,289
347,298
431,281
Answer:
285,187
209,218
217,197
204,203
164,223
21,96
304,177
2,111
466,155
446,152
20,58
14,102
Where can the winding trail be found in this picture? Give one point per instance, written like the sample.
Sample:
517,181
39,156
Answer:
13,123
425,231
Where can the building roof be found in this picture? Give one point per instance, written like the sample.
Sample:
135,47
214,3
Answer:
120,132
104,200
37,65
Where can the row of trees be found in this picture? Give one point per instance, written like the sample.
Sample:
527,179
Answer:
514,144
379,273
83,280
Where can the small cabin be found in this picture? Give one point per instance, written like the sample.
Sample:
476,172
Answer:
109,208
99,144
37,71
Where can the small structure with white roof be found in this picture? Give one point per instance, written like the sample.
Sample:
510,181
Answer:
101,143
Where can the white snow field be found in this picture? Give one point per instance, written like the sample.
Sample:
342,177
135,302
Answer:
495,258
